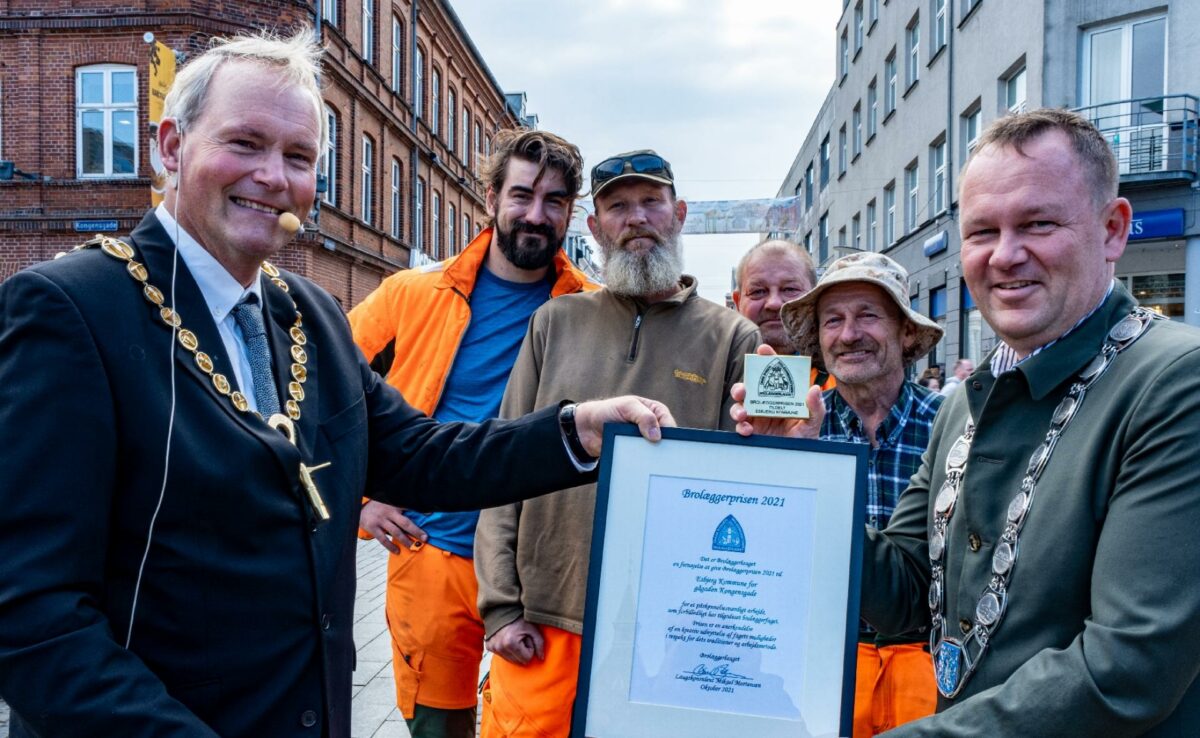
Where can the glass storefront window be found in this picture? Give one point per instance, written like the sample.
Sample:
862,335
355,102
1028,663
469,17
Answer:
1162,293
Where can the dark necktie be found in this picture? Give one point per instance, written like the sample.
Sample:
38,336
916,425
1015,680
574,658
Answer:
249,317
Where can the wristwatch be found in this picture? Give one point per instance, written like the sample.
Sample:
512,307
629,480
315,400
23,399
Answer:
566,423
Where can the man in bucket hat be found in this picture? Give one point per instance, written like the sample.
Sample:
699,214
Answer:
857,325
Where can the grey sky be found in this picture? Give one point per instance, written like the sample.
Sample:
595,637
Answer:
725,91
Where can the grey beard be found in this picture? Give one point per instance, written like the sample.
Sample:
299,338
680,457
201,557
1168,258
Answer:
639,275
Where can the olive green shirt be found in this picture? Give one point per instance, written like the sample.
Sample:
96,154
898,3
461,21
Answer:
1102,630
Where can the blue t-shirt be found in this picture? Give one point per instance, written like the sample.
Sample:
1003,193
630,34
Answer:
500,312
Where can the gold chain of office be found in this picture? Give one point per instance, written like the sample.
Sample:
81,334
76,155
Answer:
137,271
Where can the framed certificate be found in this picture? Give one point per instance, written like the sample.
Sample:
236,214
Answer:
723,589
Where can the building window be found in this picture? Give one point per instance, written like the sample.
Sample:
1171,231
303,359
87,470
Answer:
808,242
856,120
843,157
872,14
329,162
858,27
368,31
871,226
106,121
824,162
451,219
970,131
435,103
808,186
937,312
844,53
872,110
1014,91
1125,61
912,45
1161,292
889,214
968,6
475,160
937,170
397,56
856,232
823,236
419,220
451,118
329,11
970,340
419,86
396,200
889,77
466,134
912,186
939,26
466,231
842,237
368,154
436,227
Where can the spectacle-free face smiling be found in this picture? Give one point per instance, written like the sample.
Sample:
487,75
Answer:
1037,249
862,333
249,156
531,214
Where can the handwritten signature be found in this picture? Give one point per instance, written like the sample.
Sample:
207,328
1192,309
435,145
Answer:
718,671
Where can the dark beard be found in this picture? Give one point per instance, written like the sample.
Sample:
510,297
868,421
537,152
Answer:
528,256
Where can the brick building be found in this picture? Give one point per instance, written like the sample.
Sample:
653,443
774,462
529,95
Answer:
412,109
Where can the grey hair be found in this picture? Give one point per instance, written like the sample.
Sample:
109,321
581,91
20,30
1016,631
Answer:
297,57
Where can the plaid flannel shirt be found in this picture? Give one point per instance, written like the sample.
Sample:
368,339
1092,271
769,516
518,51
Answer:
902,436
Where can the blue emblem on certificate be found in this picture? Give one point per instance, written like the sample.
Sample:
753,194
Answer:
729,536
948,666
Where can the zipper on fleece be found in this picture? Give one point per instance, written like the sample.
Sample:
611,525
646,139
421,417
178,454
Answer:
637,331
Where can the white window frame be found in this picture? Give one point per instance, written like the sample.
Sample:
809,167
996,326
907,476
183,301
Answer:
329,162
436,226
419,222
1016,97
451,235
419,87
107,108
368,31
972,123
889,214
396,199
871,224
939,26
912,199
435,103
872,14
397,55
872,109
466,231
856,144
891,76
856,232
366,211
844,53
466,134
1126,27
937,168
329,9
859,27
843,151
912,47
451,118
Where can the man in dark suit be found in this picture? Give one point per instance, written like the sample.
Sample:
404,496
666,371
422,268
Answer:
174,564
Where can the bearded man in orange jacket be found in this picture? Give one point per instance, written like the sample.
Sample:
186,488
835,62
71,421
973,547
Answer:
454,329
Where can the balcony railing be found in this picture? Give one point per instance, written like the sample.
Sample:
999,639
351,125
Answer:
1154,138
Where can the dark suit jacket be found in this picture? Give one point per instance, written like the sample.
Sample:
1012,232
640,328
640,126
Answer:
243,622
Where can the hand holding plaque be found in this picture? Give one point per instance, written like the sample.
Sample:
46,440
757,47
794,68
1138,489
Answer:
776,399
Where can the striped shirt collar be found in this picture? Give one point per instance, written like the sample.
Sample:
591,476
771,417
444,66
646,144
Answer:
1005,358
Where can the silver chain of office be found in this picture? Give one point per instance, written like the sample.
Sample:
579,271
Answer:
956,660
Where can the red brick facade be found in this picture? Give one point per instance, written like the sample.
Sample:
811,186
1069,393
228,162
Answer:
44,42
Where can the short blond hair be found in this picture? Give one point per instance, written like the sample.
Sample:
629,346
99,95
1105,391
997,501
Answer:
297,57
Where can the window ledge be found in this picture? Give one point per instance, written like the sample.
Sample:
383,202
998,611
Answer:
941,50
908,90
890,114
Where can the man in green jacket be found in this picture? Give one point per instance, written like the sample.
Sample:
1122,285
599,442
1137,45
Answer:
1050,536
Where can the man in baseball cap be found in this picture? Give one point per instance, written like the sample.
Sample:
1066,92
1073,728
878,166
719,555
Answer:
857,325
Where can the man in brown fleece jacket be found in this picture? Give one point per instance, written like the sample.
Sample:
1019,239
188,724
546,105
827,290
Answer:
648,333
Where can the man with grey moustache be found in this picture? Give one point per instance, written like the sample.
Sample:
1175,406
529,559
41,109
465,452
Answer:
649,332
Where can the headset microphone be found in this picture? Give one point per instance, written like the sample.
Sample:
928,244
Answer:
290,223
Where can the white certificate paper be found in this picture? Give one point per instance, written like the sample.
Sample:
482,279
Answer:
722,603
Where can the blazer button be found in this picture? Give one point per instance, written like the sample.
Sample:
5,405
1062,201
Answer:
325,621
308,718
974,542
965,626
976,385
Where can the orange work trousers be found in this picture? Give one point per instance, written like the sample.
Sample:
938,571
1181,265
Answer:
894,685
535,700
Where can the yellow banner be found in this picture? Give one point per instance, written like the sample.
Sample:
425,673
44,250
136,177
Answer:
162,76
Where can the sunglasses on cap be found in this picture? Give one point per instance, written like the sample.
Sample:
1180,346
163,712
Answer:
649,164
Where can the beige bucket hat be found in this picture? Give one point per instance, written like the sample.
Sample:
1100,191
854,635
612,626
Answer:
800,315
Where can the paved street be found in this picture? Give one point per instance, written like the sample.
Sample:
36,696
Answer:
374,711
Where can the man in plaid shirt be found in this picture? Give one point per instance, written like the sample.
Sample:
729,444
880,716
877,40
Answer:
857,325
